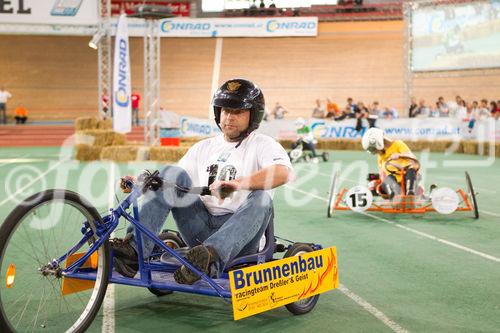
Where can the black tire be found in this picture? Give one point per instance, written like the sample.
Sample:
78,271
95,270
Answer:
332,195
173,241
31,258
306,305
325,156
472,195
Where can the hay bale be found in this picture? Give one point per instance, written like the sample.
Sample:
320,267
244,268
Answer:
170,154
100,138
497,150
85,123
484,148
142,153
105,124
286,143
125,153
456,147
191,139
470,147
87,152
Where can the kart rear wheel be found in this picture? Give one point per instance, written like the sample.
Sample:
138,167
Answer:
472,195
174,242
325,156
305,305
332,195
43,227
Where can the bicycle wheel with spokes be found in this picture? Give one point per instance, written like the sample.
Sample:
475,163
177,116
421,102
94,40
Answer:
42,228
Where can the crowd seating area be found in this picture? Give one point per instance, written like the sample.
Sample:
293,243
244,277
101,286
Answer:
344,11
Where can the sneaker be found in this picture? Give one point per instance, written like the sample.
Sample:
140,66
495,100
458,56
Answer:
202,258
125,260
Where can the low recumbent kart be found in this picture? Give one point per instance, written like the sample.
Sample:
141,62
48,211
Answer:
56,263
442,200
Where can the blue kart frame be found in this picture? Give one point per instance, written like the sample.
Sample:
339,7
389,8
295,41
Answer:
154,273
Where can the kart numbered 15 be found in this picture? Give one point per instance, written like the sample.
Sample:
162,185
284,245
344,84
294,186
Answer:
442,200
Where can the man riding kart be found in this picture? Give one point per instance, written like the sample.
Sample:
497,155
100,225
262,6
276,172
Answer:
395,161
240,166
305,142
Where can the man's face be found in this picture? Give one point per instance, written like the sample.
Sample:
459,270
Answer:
233,122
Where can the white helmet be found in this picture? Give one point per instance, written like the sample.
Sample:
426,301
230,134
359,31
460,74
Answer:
373,140
300,122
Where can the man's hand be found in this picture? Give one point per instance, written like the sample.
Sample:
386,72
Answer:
223,189
125,183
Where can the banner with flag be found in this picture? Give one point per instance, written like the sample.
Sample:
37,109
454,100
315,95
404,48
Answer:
122,110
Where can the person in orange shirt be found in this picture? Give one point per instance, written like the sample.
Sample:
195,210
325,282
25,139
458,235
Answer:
375,142
20,114
332,109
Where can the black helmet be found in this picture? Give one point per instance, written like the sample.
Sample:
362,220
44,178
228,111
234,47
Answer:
240,94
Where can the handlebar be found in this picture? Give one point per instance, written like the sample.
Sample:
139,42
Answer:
148,181
414,162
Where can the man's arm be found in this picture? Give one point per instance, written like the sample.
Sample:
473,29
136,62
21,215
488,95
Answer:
265,179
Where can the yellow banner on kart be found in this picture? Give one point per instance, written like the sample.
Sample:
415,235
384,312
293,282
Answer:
260,288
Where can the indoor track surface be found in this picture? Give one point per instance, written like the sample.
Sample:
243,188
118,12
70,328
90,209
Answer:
430,273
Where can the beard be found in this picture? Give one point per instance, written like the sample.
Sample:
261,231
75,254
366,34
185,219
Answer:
232,134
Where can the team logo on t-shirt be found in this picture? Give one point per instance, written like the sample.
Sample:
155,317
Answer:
223,157
228,173
233,86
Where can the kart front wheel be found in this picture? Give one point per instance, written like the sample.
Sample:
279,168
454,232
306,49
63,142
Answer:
305,305
472,195
35,292
332,195
325,156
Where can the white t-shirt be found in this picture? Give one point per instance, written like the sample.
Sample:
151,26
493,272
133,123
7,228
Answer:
256,152
4,96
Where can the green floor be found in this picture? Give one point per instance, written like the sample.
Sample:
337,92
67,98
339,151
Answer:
427,273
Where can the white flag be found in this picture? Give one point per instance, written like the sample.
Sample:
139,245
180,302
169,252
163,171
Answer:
122,110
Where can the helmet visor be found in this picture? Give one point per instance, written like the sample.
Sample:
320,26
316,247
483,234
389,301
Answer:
231,101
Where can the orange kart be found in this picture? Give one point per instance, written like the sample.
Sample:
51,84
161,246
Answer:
441,200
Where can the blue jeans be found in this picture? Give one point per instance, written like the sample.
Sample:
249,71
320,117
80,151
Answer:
231,235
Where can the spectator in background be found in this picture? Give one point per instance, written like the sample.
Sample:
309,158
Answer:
494,108
318,111
135,107
350,103
4,96
469,112
413,108
460,111
361,111
423,111
373,113
434,113
389,113
347,113
20,114
442,109
441,102
105,104
483,111
332,109
279,111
